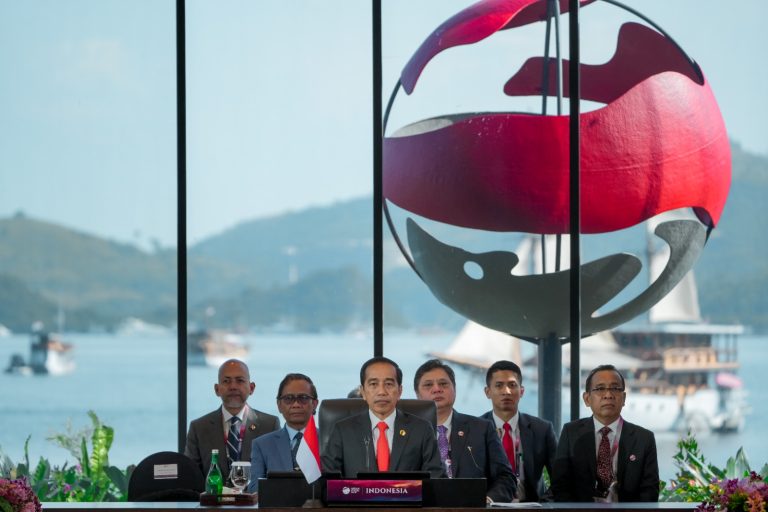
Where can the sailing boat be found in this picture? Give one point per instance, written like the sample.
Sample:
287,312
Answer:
679,370
686,372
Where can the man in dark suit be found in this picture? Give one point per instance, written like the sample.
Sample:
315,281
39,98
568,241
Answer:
219,430
604,458
527,440
468,446
276,451
383,438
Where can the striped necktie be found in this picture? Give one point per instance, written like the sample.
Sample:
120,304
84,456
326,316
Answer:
233,440
295,449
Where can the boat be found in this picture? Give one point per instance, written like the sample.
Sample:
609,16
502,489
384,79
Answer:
212,347
685,377
48,355
681,372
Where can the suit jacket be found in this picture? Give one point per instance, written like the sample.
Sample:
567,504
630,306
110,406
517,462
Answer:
270,452
414,446
476,452
207,432
575,473
539,444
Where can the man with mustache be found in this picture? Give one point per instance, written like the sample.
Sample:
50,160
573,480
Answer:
604,458
232,427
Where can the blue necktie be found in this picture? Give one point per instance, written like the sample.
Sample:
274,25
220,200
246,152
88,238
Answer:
233,441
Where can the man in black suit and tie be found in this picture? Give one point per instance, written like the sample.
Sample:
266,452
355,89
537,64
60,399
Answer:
468,446
528,442
232,427
604,458
383,438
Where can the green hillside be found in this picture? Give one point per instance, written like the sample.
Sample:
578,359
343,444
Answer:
312,269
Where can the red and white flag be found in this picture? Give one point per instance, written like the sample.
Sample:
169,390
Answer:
308,455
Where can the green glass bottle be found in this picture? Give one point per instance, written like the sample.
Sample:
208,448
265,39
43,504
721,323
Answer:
214,483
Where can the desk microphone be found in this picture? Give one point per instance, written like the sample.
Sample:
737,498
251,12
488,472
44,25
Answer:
367,443
469,449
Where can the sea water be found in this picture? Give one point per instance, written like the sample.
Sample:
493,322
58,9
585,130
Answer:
130,383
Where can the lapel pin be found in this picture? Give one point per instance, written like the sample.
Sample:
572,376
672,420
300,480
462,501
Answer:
461,433
252,427
632,457
402,433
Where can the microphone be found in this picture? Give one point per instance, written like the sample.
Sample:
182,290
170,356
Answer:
367,443
469,449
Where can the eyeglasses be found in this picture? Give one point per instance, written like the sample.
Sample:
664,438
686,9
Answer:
289,399
603,391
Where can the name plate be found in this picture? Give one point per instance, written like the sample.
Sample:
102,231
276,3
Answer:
374,492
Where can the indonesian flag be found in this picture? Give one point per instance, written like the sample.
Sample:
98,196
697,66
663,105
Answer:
308,454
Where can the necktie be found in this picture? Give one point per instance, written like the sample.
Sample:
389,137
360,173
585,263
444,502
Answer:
604,462
444,447
295,449
382,447
233,440
509,446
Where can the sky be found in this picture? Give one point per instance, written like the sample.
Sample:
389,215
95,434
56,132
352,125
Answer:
279,100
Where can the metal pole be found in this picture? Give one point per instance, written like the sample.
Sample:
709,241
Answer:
551,380
378,228
575,204
181,221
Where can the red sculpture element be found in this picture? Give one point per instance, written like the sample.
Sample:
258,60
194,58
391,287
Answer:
659,144
473,24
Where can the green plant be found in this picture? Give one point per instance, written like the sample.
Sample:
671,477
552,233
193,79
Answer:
91,479
697,480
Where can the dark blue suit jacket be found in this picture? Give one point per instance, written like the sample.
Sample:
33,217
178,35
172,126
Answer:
414,447
575,474
476,452
537,437
270,452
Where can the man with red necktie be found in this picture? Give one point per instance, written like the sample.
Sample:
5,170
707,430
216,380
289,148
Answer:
604,458
383,438
529,442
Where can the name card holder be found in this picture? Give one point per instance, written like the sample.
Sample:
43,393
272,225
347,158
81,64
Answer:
383,493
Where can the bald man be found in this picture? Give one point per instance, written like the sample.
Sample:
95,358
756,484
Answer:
232,427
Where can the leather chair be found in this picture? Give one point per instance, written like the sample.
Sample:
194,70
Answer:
335,409
146,485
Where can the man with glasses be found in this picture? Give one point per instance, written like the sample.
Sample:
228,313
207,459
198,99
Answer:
528,442
604,458
468,446
276,451
383,438
232,427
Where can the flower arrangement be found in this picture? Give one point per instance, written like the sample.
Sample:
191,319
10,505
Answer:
17,496
748,494
734,488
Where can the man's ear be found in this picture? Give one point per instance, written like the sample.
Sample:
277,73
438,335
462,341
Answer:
522,391
585,397
216,389
487,392
252,386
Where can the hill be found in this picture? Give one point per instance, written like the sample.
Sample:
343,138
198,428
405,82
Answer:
285,268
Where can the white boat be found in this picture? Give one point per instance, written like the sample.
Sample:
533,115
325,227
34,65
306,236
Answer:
680,370
211,347
48,355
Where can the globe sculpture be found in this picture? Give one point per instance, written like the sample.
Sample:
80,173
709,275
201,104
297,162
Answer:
657,143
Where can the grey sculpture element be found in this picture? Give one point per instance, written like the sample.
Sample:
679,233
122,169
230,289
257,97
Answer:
535,307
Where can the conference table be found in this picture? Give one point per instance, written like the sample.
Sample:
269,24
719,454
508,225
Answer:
174,506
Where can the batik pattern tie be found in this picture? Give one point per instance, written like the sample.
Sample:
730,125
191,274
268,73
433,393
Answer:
509,446
233,440
382,447
444,447
604,462
295,449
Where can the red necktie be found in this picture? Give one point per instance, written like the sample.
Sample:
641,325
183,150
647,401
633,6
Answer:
382,447
604,462
509,446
